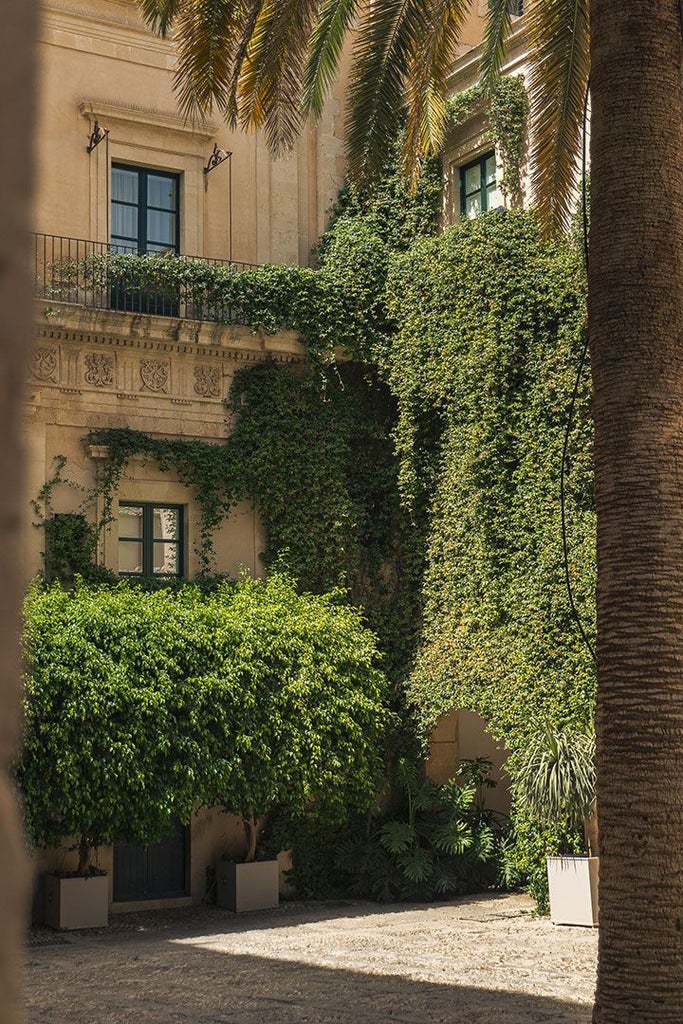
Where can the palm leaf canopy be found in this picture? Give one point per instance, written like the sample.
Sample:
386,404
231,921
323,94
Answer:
270,64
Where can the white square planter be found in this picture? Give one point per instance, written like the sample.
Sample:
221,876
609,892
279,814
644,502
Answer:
77,902
243,887
573,886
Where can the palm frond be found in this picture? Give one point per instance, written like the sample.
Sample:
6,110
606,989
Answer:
384,47
207,33
250,16
159,14
271,80
498,23
434,50
558,38
334,22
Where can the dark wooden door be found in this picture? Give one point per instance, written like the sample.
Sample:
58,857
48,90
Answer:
151,872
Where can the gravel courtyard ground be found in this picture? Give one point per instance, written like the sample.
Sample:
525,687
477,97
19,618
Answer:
480,960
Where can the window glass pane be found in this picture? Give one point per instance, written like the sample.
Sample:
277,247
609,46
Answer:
160,228
492,197
473,206
122,245
130,556
472,179
490,170
124,221
161,192
165,558
166,523
130,521
124,185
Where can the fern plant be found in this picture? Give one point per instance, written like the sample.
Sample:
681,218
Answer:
441,842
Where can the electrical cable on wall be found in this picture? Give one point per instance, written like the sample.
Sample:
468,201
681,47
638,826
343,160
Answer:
582,361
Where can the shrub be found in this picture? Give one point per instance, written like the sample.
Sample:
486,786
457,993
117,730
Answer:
141,706
440,843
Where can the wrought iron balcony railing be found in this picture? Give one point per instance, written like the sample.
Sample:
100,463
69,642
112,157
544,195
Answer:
105,276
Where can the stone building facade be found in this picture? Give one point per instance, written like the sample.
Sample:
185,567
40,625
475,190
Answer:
118,167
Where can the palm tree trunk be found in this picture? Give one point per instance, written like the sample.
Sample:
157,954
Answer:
636,333
17,88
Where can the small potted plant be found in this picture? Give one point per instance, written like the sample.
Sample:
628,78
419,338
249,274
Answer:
556,784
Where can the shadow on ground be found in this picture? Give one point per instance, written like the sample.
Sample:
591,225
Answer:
171,982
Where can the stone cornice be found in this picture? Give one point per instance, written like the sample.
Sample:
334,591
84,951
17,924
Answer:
110,28
465,70
109,113
80,325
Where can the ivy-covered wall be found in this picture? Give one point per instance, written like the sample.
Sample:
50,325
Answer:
490,324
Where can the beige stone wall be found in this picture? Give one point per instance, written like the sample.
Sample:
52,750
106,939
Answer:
463,735
99,61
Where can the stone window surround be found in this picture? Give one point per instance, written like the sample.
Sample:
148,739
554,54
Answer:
156,140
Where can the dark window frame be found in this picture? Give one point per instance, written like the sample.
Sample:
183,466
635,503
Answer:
142,206
480,162
148,541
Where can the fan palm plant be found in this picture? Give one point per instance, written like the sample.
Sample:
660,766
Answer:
251,60
556,780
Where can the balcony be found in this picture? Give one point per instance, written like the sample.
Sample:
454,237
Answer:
101,276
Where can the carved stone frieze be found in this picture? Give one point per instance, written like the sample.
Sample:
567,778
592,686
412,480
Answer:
44,364
207,381
154,374
99,369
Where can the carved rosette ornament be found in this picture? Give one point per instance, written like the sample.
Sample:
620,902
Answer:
44,364
207,381
154,374
99,370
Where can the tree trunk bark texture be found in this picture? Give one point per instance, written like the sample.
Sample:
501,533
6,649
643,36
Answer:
17,89
636,336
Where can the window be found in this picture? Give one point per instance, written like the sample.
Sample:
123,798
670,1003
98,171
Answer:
478,191
144,219
150,539
144,210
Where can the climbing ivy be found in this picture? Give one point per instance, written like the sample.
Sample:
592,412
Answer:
491,322
313,450
198,465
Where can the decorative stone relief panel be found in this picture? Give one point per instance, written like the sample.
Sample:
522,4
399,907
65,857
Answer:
154,374
99,369
207,381
44,364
